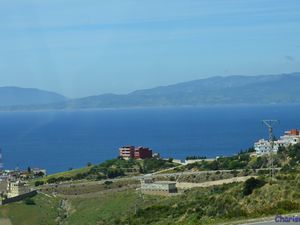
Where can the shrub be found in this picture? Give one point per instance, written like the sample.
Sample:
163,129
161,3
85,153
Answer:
38,183
252,184
108,182
288,205
29,201
51,180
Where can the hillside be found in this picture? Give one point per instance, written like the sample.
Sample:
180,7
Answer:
120,202
10,96
227,203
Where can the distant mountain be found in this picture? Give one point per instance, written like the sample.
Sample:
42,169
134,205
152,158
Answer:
264,89
10,96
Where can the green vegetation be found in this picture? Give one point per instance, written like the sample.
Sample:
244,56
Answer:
80,188
67,175
38,183
38,210
108,170
103,209
106,209
210,205
252,184
255,198
92,203
29,201
242,160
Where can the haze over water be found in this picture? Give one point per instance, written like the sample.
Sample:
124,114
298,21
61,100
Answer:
59,140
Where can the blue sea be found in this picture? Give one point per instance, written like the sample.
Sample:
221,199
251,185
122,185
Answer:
59,140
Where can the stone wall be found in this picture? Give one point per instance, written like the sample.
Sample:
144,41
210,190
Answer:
18,198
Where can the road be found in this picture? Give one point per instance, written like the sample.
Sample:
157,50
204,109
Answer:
272,220
269,223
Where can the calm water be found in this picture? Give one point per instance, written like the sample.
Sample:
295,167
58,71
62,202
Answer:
60,140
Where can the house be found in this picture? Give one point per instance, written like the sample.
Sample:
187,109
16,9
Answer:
16,188
149,186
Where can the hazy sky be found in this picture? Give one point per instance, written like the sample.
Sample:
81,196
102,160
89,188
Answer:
86,47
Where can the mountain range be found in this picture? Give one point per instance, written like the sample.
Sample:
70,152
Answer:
11,96
262,89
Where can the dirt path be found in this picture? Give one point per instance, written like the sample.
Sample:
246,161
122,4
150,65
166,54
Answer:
185,185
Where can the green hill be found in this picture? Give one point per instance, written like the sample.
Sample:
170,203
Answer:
227,203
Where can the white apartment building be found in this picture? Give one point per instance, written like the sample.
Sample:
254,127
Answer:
263,146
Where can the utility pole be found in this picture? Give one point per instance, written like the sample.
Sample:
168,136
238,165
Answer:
270,124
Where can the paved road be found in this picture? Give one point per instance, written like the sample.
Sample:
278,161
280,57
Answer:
269,223
272,221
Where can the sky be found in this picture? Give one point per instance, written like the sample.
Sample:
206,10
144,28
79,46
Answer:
88,47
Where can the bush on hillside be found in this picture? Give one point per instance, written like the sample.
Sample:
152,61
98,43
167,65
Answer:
29,201
252,184
38,183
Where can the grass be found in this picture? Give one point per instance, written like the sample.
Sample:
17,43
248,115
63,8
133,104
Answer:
211,205
69,173
103,209
43,212
224,203
98,209
88,187
109,169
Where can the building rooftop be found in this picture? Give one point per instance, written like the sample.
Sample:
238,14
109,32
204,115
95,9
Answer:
164,182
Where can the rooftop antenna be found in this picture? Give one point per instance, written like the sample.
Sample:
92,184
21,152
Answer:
270,124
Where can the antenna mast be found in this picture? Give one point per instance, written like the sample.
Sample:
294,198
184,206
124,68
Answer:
270,124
